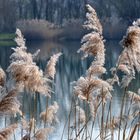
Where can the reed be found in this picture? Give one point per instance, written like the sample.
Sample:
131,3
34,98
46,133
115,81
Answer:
26,76
91,103
98,92
6,133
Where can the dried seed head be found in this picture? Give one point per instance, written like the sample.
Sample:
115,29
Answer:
81,115
132,38
10,105
92,20
24,71
134,97
50,68
43,133
2,77
5,134
49,116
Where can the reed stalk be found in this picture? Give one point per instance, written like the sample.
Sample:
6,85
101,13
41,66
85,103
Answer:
133,132
75,117
112,130
86,128
47,102
94,120
83,127
108,113
30,114
72,100
131,127
35,111
22,112
102,118
124,131
138,131
66,120
121,111
112,135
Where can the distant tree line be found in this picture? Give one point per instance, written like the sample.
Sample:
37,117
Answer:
57,11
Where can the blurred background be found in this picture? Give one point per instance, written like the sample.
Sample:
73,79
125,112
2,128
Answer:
63,19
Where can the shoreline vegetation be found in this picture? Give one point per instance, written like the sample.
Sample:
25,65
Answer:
42,30
7,39
71,29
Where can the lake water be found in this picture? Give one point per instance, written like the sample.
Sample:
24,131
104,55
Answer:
69,68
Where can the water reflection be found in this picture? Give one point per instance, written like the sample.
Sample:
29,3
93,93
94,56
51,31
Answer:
69,68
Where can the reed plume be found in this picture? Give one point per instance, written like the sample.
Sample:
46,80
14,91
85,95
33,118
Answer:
93,43
42,134
24,70
92,86
25,125
2,77
50,68
92,22
49,116
81,115
10,105
29,127
129,58
26,74
88,88
134,97
128,62
5,134
114,123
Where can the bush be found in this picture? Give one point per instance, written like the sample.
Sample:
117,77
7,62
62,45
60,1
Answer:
42,29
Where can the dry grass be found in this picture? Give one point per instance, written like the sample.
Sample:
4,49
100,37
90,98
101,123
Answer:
92,93
44,30
97,93
6,133
49,116
25,75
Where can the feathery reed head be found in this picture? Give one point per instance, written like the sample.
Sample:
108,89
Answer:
20,55
132,38
2,77
92,22
19,39
5,134
24,71
30,76
114,124
129,59
81,115
134,97
49,116
50,68
86,87
9,104
43,133
93,43
96,70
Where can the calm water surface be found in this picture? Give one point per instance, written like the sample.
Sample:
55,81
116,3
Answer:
69,68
